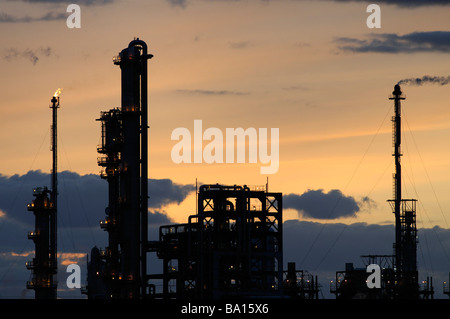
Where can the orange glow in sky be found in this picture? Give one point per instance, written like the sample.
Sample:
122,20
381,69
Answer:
263,64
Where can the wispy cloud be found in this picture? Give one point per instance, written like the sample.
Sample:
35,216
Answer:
295,88
239,45
79,2
50,16
433,41
12,54
211,92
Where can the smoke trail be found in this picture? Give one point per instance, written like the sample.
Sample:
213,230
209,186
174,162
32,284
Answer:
442,80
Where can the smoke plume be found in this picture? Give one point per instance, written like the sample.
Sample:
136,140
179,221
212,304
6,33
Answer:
441,80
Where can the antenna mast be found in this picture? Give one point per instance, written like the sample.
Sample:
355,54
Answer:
405,217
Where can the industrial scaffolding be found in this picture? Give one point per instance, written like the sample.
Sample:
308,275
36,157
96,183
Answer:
231,248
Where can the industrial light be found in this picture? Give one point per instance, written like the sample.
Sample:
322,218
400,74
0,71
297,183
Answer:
58,92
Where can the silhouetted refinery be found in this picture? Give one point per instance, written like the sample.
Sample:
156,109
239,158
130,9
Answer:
232,247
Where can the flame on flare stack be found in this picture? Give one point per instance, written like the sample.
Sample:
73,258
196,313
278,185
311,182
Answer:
58,92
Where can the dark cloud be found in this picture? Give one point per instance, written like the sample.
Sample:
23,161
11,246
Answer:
399,3
433,41
320,205
164,191
366,203
52,15
426,79
5,17
12,54
81,202
327,247
82,198
211,92
347,243
158,217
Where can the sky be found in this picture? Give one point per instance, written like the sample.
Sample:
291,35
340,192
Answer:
311,69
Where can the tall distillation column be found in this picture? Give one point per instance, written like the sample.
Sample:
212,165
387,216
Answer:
125,148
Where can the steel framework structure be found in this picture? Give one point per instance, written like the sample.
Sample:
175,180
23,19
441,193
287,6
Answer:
44,265
231,248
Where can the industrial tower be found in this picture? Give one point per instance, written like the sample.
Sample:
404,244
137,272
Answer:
405,247
122,266
44,265
399,275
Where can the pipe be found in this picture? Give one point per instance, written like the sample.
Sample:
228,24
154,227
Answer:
144,158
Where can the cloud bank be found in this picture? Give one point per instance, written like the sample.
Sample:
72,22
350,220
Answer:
82,198
81,205
339,244
211,92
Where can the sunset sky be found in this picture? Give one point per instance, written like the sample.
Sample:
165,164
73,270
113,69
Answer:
312,69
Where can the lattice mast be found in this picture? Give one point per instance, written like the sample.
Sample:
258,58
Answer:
405,247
